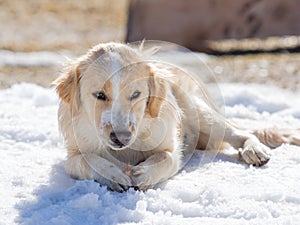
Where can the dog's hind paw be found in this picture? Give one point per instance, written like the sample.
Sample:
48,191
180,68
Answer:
254,153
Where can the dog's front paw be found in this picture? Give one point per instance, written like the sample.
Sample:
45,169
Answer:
111,185
255,153
141,178
114,179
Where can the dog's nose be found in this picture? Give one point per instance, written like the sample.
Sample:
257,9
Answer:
120,138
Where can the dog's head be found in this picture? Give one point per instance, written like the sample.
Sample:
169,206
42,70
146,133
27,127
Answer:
115,89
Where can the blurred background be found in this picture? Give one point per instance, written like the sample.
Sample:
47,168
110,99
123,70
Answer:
249,41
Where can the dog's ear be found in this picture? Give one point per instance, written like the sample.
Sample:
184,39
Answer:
158,91
67,85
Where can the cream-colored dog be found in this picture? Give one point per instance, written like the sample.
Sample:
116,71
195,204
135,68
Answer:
131,122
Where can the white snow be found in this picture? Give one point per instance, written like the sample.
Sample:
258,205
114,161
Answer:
9,58
35,189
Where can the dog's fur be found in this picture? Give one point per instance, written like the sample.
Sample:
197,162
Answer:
129,122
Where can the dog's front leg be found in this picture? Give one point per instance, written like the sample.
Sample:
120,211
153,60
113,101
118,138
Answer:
157,168
93,167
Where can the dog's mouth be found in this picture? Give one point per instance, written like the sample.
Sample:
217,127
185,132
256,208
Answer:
120,140
117,147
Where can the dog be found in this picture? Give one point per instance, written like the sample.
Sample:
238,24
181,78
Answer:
131,122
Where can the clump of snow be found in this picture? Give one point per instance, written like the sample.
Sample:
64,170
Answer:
35,189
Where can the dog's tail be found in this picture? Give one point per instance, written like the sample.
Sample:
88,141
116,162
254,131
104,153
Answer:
274,137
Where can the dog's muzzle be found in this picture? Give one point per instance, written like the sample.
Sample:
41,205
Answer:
119,128
119,139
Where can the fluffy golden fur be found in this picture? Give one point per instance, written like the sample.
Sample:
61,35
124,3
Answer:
131,122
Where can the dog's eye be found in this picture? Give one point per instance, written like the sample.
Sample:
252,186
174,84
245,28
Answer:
135,95
100,96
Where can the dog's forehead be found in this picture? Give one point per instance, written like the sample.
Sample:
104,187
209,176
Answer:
124,66
114,70
121,73
115,63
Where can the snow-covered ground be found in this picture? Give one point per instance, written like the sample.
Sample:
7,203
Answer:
9,58
34,188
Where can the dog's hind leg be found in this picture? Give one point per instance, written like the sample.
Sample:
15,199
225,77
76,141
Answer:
251,150
274,137
215,129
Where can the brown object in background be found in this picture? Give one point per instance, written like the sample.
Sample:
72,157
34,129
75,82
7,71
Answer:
190,23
